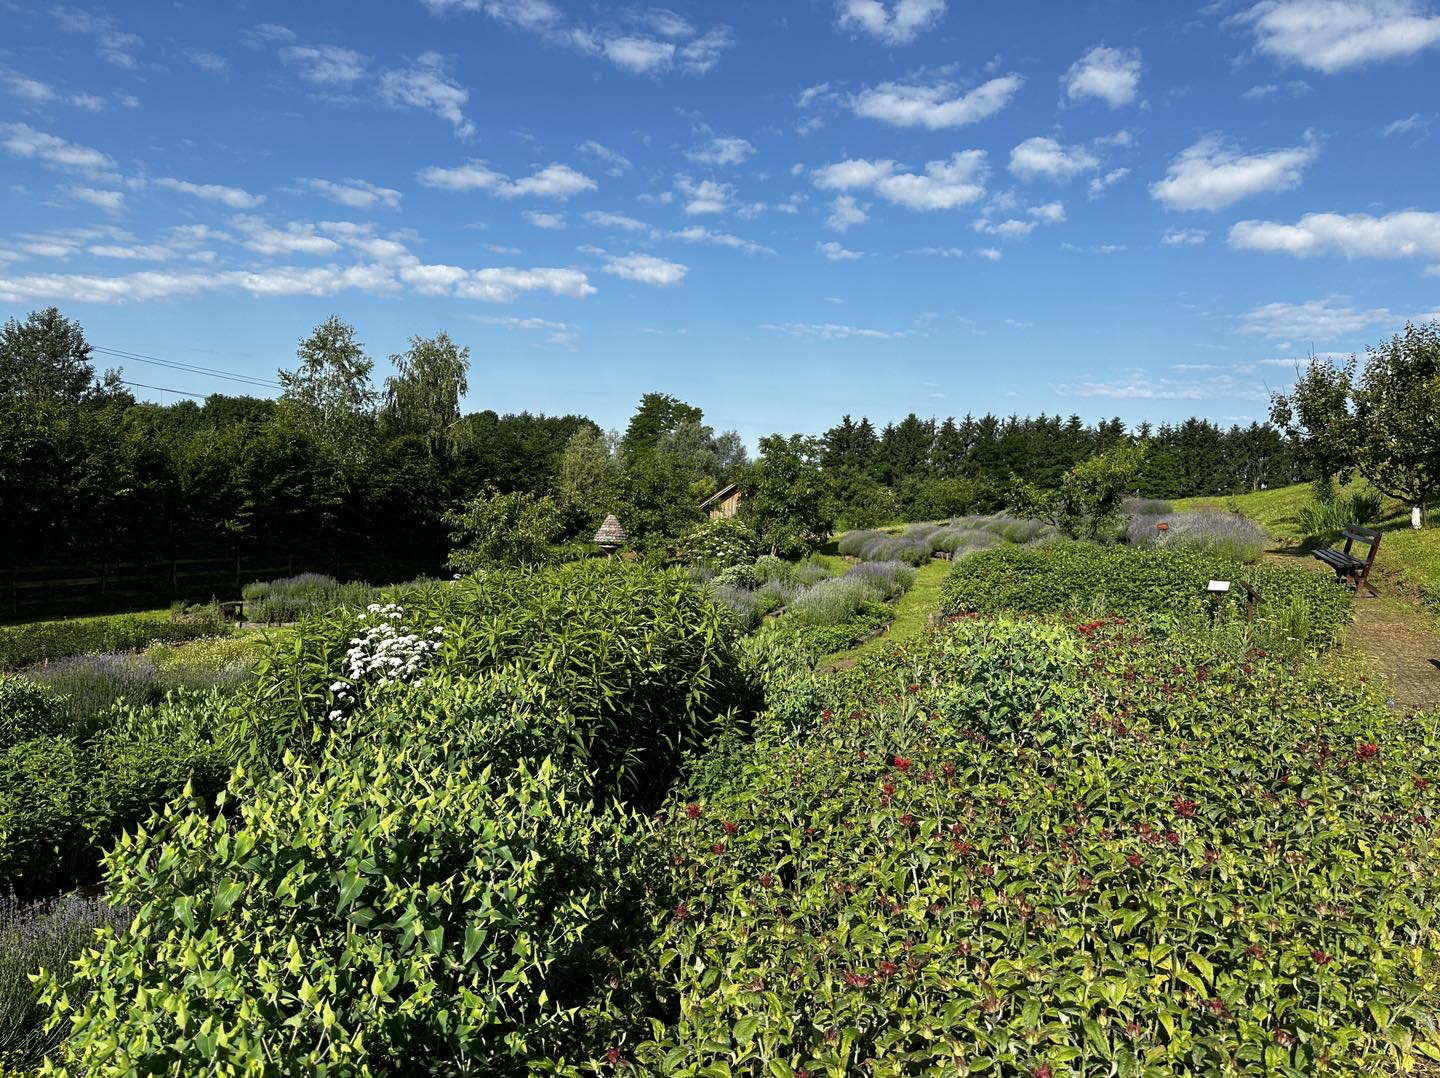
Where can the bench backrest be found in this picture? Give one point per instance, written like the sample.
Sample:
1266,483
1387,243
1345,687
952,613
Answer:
1356,534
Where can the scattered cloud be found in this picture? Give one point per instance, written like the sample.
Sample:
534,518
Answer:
647,269
551,222
1185,237
992,253
1212,174
707,196
1404,234
896,23
112,202
1100,184
844,212
605,219
829,331
937,106
212,62
325,65
1045,158
116,46
617,164
1315,320
834,252
1414,122
357,194
1109,75
235,197
1334,35
697,234
1293,88
553,181
721,151
22,140
40,93
943,185
1140,386
429,86
560,334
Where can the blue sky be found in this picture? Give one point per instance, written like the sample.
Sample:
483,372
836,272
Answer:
780,211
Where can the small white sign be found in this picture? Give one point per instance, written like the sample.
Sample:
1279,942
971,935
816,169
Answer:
1219,585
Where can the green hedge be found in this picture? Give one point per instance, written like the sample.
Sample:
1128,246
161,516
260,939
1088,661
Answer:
28,711
1298,606
1158,860
44,641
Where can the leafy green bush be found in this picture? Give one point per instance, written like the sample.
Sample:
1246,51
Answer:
1080,578
42,814
719,543
1324,521
645,662
1221,865
421,898
45,641
495,531
28,711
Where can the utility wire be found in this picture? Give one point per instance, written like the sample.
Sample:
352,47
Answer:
190,368
163,389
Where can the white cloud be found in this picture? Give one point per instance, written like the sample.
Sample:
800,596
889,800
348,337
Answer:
1051,213
1138,386
428,86
895,23
115,45
551,222
1315,320
112,202
942,186
1010,229
935,107
1404,234
1099,184
553,181
844,212
558,333
357,194
647,269
325,65
1045,157
707,196
207,61
530,14
992,253
1111,75
1332,35
1184,237
834,252
703,53
721,151
40,93
296,237
606,219
1413,122
1294,88
22,140
697,234
1211,175
828,331
235,197
639,54
618,164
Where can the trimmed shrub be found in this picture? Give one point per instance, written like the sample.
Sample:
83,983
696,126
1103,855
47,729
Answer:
831,602
1207,531
887,579
745,605
411,901
48,935
1079,578
896,548
278,602
775,594
851,543
28,711
1146,507
719,543
46,641
736,576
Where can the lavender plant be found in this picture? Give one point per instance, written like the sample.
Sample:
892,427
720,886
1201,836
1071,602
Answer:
1209,531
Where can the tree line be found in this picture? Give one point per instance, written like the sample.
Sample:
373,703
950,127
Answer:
372,478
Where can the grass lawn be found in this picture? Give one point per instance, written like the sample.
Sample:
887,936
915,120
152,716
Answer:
912,612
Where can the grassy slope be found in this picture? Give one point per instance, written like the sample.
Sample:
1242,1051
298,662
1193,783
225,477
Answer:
1407,557
912,613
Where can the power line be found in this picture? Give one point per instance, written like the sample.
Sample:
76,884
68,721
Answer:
189,368
163,389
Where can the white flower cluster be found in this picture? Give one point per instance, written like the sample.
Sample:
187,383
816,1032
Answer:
388,650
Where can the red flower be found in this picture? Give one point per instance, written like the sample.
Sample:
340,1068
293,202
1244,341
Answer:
1183,807
1043,1071
827,714
719,847
1133,1030
693,811
1216,1007
612,1056
947,769
1367,750
1172,838
1319,957
1212,854
766,880
1082,883
682,912
1420,783
907,820
856,980
913,689
730,828
887,969
1134,860
902,763
1255,951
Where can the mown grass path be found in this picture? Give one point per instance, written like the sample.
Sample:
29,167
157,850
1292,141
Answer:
912,615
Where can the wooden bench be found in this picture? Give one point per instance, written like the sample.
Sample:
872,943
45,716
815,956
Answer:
1348,568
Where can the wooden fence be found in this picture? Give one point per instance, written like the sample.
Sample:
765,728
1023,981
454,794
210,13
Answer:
130,585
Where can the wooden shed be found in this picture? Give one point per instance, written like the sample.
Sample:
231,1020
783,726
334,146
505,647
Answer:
724,503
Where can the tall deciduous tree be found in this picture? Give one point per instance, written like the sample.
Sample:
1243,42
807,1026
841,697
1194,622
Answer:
330,392
1087,503
787,499
46,358
423,396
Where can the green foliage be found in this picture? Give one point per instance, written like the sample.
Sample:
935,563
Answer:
45,358
1219,864
329,393
423,396
42,821
497,530
719,543
43,641
409,902
1088,500
787,498
1324,521
28,711
1081,578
